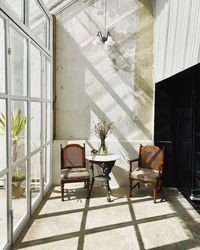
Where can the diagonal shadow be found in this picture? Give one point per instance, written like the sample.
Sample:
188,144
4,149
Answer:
183,244
110,90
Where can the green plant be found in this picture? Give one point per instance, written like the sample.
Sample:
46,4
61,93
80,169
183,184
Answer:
18,178
17,124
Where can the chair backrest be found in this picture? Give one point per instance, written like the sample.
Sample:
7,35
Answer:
151,156
72,156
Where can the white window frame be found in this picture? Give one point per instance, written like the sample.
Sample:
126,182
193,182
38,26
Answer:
12,20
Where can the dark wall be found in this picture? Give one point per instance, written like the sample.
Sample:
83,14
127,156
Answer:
175,124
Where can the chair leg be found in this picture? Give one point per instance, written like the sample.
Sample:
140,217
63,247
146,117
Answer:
130,188
161,186
154,194
88,189
138,184
62,191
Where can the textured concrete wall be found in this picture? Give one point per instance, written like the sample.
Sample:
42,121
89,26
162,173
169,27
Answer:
95,82
114,84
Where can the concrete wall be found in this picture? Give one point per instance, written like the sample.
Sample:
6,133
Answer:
95,82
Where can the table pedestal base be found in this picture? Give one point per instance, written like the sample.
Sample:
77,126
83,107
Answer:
106,167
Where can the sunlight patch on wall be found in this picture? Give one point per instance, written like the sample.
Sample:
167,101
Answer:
97,80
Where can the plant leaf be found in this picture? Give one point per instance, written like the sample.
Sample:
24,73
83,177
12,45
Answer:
22,125
2,124
3,116
12,122
17,122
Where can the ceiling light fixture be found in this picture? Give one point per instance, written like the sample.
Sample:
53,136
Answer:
107,38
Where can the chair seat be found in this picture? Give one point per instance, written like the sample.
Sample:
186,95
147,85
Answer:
74,174
144,174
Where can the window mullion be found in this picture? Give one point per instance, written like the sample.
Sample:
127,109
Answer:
29,129
43,72
8,134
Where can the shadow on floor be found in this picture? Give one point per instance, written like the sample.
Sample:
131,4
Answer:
140,218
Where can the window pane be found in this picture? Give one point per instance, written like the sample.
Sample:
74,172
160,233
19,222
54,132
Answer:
3,213
48,122
38,21
3,134
35,72
35,125
19,202
35,177
46,79
18,64
16,5
45,122
19,129
46,165
51,3
2,56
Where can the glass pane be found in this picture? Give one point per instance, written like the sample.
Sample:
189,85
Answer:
19,129
2,56
48,121
47,79
47,165
3,213
38,21
35,72
2,134
18,64
19,196
46,124
35,125
35,177
51,3
16,5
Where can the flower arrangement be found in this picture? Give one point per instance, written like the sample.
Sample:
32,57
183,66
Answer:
102,129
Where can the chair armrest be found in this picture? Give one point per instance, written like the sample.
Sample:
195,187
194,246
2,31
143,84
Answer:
130,161
160,166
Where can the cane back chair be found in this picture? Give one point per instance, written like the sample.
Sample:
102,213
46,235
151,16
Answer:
73,167
149,170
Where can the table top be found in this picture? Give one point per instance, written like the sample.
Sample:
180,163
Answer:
102,158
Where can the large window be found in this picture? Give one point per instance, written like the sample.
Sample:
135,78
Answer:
38,21
2,55
17,7
18,63
34,15
25,114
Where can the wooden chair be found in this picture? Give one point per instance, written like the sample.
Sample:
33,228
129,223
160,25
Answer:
149,168
73,167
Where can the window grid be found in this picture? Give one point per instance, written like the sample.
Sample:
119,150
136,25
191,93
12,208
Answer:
45,54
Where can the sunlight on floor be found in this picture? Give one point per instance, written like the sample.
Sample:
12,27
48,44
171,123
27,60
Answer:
125,223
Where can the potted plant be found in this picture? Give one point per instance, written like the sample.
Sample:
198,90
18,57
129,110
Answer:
17,125
17,189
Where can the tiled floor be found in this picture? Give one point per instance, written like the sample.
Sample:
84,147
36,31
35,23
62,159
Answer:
125,223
